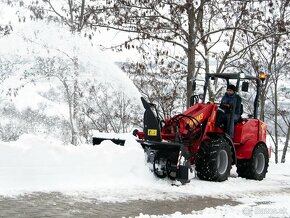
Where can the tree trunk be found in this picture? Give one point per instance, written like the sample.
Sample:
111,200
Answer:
81,17
75,102
264,95
276,122
71,14
283,159
190,54
276,99
262,104
70,107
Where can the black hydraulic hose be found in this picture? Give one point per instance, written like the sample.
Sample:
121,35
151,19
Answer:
193,119
189,117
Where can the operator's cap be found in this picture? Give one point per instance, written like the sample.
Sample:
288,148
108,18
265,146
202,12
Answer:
231,87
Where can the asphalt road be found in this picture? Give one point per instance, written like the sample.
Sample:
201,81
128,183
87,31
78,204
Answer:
58,205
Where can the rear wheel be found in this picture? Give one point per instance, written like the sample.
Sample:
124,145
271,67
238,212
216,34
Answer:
214,160
256,167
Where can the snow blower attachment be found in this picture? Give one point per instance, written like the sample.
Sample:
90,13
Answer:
199,137
168,158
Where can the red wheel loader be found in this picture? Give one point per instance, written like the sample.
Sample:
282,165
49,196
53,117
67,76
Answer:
197,137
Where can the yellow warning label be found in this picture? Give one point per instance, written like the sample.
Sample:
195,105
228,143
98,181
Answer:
152,132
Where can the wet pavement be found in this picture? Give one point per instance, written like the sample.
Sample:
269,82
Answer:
59,205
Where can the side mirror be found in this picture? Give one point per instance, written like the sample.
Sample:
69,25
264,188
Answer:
245,86
194,99
201,97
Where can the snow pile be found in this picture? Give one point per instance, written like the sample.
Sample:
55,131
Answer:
110,172
37,164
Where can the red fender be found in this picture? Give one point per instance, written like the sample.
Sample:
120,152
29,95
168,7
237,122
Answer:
245,151
248,134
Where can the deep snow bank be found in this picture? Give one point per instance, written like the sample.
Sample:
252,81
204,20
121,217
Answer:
36,164
110,173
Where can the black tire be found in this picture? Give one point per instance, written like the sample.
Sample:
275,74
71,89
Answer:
159,166
171,169
256,167
214,160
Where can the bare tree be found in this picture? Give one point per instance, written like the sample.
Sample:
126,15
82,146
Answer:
65,70
275,78
193,29
109,110
163,84
5,30
169,22
270,56
285,116
74,14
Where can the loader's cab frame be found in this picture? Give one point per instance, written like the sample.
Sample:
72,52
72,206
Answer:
249,141
238,77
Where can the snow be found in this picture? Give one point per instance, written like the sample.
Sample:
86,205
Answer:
113,173
35,163
34,39
110,173
42,164
55,41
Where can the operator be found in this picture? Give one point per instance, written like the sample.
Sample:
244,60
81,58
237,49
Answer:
231,104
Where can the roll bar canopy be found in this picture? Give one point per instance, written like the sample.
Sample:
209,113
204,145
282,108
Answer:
238,77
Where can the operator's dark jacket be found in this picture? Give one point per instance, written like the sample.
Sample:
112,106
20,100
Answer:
230,100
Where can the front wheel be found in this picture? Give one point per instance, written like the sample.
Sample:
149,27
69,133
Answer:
256,167
159,166
214,160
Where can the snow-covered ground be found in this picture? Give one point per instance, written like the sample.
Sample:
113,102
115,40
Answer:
114,173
